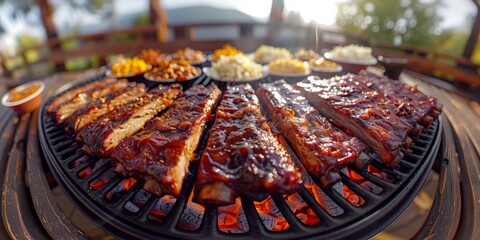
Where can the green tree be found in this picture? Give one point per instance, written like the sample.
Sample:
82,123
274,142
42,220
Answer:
398,21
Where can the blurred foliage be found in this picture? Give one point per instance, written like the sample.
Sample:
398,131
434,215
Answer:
25,40
413,22
142,19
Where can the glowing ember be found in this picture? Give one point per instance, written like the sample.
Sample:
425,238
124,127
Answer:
85,173
118,191
192,215
322,198
162,207
138,201
301,209
381,174
100,182
352,197
232,219
364,182
271,217
79,161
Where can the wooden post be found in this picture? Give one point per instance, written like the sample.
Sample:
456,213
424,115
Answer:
474,33
47,20
276,18
158,17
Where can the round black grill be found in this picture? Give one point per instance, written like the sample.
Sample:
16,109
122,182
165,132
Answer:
363,203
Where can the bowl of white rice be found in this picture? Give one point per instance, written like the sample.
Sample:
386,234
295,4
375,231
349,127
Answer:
353,58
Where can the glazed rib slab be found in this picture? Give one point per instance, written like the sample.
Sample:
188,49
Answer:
322,148
102,106
161,153
106,132
242,156
361,111
84,98
68,95
425,108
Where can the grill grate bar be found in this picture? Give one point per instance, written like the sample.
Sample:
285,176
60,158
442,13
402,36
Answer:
406,164
90,161
399,176
120,203
316,208
385,185
293,221
209,221
368,196
117,179
255,223
78,154
96,173
142,214
349,209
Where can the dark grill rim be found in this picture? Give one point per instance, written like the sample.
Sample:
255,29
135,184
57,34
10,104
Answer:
377,212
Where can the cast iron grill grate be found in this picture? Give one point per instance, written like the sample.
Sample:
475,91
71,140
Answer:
121,207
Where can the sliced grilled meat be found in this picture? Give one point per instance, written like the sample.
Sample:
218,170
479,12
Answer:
161,153
103,105
322,148
84,98
411,101
68,95
242,156
361,111
106,132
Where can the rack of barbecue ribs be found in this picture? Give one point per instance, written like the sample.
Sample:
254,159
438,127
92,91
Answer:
426,107
82,99
106,132
68,95
359,110
242,156
103,105
161,153
323,149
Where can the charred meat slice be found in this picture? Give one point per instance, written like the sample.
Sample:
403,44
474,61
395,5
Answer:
68,95
242,156
424,107
322,148
83,99
102,106
106,132
361,111
161,153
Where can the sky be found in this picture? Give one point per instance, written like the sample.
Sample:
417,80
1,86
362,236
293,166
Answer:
323,12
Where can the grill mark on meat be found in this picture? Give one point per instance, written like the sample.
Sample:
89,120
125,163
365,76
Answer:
352,107
68,95
102,106
161,153
106,132
322,148
242,156
83,99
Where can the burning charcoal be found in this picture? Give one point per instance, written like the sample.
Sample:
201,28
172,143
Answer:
242,222
328,204
192,216
129,206
226,219
295,202
268,220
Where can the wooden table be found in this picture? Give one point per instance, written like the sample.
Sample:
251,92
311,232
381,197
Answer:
29,209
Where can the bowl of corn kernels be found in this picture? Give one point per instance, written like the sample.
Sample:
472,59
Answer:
128,67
